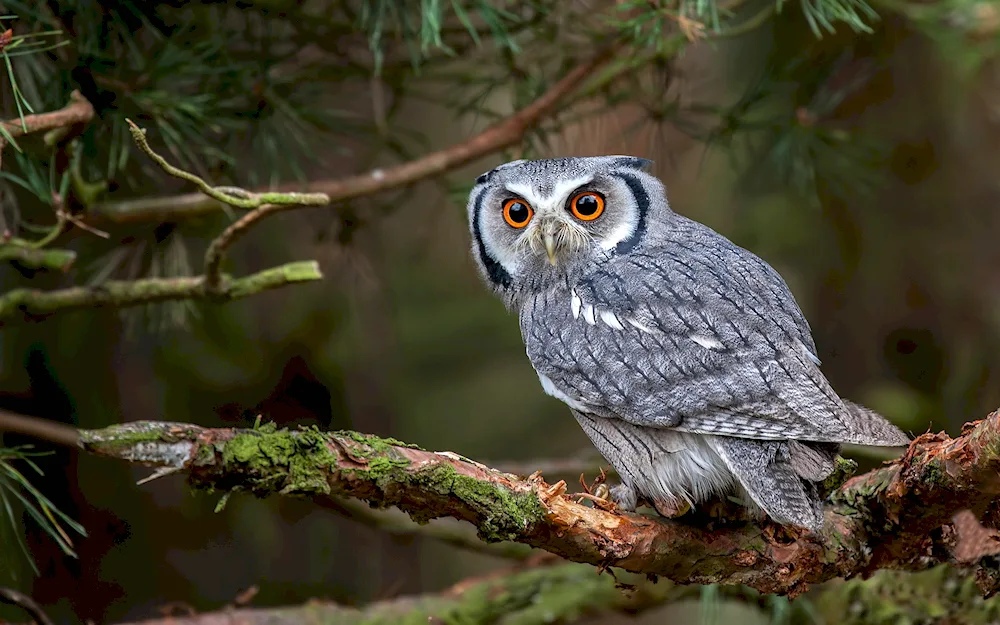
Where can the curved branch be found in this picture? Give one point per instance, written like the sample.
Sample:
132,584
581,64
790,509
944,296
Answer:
888,518
504,134
554,594
13,597
24,305
78,111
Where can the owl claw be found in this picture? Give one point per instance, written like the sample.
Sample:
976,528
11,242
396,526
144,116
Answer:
601,491
671,509
607,505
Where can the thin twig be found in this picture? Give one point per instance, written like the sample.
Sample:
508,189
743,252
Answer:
42,429
216,251
78,111
262,204
497,137
240,199
24,305
26,603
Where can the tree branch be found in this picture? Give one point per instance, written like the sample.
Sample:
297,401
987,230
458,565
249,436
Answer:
78,111
890,517
24,305
13,597
555,594
448,531
262,204
501,135
43,429
35,257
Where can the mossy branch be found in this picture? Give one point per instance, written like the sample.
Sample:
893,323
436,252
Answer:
32,257
20,305
555,594
24,305
898,516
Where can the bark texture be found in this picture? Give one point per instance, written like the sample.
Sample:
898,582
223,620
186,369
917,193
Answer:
898,516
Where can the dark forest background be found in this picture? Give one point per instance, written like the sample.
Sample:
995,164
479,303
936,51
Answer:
862,162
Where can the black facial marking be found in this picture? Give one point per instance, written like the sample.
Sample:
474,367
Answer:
633,162
642,202
484,178
498,275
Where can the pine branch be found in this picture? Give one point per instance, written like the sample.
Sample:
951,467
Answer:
891,517
36,258
13,597
262,203
78,111
35,305
497,137
554,594
24,305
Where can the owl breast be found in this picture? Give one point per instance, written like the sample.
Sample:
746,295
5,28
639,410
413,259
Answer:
584,356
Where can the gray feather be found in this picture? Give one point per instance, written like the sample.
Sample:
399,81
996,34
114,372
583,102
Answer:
765,472
683,356
761,383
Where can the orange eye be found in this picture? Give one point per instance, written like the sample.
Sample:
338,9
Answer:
517,213
587,206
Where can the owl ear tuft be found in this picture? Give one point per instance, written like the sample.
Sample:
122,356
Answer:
633,162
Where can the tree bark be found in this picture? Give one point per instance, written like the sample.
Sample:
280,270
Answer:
898,516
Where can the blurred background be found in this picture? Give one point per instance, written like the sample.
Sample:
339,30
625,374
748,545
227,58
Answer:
851,145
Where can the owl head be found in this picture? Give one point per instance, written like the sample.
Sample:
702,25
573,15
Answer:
534,222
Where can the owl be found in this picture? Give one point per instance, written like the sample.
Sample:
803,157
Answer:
684,357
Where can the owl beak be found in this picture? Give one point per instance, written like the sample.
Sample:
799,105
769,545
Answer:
550,246
549,229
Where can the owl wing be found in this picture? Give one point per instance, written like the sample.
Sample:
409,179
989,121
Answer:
698,335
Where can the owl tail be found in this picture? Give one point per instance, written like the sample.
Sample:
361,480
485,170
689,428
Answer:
868,427
767,472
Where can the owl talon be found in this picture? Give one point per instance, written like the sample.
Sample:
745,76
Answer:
601,491
625,496
671,509
599,502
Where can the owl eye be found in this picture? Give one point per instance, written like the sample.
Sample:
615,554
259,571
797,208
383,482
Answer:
587,206
517,213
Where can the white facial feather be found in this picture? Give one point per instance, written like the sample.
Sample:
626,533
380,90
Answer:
553,203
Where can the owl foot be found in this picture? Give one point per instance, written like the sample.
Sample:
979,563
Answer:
671,509
625,495
604,503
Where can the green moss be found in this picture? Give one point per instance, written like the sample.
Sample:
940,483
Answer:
378,445
506,514
205,456
299,463
272,460
843,470
891,597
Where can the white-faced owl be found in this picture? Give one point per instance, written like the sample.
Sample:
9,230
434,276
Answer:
683,356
